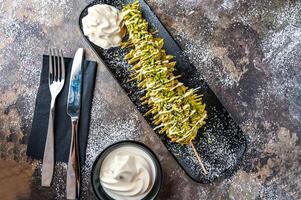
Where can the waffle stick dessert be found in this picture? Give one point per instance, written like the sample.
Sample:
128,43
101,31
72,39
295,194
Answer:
178,111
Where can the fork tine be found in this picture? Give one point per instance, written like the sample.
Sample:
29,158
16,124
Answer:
50,74
59,66
62,65
54,65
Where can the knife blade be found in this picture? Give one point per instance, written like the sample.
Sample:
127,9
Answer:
74,95
73,110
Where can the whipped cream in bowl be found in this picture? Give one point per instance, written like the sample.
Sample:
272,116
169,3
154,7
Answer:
127,170
103,25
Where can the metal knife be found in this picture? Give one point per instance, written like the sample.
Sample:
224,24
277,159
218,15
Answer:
73,110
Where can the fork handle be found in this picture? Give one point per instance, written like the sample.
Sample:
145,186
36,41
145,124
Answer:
73,171
48,158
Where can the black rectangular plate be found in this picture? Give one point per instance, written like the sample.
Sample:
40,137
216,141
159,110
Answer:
227,144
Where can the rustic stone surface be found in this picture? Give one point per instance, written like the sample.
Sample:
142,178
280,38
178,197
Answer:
248,51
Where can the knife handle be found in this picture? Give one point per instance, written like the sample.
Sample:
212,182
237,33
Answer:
48,158
73,170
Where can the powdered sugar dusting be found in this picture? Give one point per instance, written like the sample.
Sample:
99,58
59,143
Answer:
282,52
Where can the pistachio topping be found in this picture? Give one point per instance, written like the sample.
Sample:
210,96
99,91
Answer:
178,111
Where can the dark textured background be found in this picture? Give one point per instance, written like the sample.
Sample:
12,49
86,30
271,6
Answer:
248,51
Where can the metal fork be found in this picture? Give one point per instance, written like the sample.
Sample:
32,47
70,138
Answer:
56,82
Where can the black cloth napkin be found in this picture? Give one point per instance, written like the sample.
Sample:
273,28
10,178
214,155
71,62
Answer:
62,122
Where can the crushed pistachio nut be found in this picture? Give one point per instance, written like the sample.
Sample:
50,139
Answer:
176,110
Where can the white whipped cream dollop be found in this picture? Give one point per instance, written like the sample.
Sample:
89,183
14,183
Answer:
104,26
127,173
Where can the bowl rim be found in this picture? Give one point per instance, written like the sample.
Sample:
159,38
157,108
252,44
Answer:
159,175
